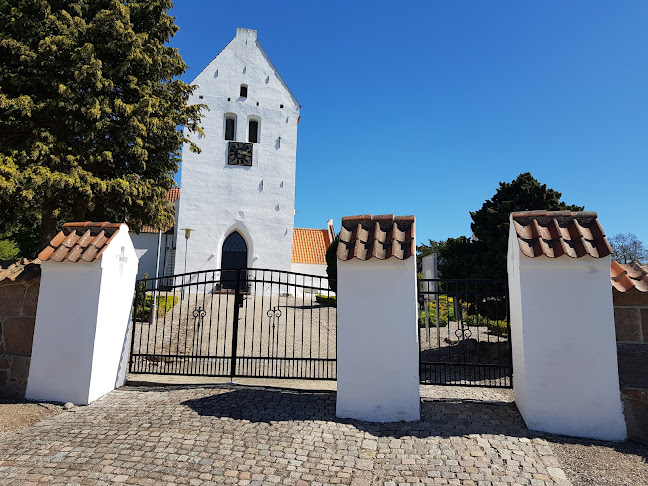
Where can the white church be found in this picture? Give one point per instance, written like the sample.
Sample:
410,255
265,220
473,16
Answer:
236,206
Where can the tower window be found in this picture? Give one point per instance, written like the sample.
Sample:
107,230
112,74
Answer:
244,91
253,132
230,127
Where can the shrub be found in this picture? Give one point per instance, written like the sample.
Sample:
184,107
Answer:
446,312
327,301
331,264
164,303
8,250
495,326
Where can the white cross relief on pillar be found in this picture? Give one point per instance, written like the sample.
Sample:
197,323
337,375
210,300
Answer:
122,259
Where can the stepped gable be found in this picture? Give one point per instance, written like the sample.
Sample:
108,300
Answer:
80,242
557,233
21,270
381,237
629,277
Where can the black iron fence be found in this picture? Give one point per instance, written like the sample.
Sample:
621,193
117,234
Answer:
464,333
235,322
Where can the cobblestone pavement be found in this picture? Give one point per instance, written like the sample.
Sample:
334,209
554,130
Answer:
225,434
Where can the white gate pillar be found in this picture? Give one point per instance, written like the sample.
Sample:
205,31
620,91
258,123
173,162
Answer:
562,325
377,336
88,280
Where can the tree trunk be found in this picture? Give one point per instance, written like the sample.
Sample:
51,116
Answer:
48,225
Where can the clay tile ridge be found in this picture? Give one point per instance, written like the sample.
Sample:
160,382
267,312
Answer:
629,277
382,237
557,233
80,242
21,270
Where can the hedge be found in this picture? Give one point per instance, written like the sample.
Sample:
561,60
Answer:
325,300
164,303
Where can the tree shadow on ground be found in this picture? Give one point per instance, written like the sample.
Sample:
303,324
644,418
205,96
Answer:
439,417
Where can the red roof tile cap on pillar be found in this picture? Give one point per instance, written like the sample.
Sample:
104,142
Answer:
80,242
557,233
381,237
629,277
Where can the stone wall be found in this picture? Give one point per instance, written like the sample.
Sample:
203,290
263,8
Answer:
631,322
18,300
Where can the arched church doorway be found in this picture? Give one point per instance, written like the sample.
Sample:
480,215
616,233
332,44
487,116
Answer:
234,255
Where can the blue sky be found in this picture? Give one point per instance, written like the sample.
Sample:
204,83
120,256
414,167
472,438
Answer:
424,107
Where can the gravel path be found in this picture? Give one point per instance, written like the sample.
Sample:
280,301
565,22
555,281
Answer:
598,463
16,415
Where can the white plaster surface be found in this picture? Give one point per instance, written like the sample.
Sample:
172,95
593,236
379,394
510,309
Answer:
564,347
149,243
82,326
378,375
257,201
314,279
309,269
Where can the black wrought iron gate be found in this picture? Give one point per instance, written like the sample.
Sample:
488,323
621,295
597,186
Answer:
235,322
464,333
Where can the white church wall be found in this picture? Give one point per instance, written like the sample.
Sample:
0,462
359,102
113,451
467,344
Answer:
313,281
146,245
217,197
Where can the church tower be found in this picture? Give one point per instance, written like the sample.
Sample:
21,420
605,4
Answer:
238,194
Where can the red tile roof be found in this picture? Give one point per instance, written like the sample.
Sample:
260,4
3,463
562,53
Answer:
310,245
21,270
557,233
80,242
629,277
381,237
172,196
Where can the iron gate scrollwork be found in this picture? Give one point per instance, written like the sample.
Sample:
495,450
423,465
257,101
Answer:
464,333
234,322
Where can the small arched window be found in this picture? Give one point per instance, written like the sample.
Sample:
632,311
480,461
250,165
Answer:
244,91
253,130
230,126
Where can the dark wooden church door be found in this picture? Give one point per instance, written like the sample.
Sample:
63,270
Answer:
234,256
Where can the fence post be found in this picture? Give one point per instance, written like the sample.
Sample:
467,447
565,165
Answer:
377,337
562,325
237,299
81,334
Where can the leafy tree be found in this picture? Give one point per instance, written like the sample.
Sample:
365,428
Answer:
484,255
8,250
91,112
628,248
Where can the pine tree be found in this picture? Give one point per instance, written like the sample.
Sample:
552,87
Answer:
91,112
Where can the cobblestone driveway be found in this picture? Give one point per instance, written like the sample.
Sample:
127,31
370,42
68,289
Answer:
247,435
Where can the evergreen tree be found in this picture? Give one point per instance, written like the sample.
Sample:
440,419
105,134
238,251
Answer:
484,255
91,112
